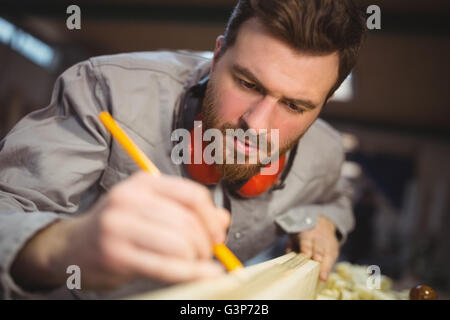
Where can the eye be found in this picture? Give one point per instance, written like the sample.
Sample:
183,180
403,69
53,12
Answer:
247,85
294,107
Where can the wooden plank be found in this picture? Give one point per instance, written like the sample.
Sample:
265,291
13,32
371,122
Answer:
291,276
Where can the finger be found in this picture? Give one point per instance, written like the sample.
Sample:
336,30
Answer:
306,245
318,250
181,220
327,263
150,237
171,269
193,196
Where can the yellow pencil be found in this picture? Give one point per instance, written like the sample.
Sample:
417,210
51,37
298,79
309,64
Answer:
225,256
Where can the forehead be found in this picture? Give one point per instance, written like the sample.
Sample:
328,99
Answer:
279,66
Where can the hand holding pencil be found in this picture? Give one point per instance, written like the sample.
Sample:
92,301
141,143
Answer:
220,250
148,226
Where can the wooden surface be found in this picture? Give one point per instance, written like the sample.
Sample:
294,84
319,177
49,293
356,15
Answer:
292,276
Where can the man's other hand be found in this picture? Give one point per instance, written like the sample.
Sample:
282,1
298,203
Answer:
319,243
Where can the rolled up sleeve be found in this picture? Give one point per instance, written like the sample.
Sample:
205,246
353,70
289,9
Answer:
334,203
47,161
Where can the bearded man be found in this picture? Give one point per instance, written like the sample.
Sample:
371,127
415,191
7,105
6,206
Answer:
69,194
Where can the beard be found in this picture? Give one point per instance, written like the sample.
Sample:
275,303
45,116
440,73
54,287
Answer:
234,172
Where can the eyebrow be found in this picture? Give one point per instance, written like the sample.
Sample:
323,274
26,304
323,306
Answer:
250,76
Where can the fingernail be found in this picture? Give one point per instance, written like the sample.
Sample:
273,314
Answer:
324,276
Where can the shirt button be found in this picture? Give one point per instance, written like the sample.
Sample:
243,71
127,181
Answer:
237,235
308,220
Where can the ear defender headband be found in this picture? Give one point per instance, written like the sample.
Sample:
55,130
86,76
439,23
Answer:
209,175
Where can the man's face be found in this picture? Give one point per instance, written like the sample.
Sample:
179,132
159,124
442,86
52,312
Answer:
261,83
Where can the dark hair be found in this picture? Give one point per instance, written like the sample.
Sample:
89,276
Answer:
313,26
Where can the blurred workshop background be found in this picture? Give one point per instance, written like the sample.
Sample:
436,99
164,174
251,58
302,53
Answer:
393,112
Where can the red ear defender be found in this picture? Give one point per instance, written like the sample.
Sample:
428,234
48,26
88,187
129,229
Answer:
201,172
259,183
208,174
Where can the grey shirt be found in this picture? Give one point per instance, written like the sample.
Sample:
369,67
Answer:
58,160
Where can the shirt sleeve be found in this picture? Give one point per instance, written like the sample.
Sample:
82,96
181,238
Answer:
47,161
334,203
339,209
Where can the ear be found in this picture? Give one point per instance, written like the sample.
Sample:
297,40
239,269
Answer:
217,49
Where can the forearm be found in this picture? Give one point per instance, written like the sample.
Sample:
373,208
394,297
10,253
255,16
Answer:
37,265
16,230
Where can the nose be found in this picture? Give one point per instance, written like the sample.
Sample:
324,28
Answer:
261,114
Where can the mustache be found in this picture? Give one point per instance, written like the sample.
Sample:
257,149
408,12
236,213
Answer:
259,139
250,136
